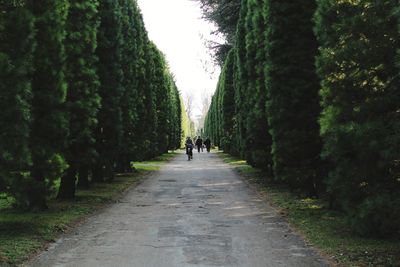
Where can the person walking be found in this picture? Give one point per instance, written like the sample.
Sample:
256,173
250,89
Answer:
189,148
199,144
207,143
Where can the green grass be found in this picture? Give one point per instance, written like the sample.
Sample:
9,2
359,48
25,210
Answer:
153,165
323,228
23,233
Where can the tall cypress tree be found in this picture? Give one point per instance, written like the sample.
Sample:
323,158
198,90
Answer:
83,100
149,114
17,45
228,103
145,113
172,112
160,85
109,130
258,140
131,56
235,148
240,79
179,111
178,118
49,123
360,121
216,112
292,87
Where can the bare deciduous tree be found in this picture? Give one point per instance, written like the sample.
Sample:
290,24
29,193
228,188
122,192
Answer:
189,104
205,104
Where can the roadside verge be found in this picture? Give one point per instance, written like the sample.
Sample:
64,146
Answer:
321,227
24,233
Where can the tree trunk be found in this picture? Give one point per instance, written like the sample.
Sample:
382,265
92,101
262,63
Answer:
67,186
98,173
83,181
121,166
109,171
37,192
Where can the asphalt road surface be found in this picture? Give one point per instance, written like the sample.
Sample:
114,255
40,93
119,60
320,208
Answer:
197,213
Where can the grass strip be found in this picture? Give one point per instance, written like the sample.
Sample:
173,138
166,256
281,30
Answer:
24,233
323,228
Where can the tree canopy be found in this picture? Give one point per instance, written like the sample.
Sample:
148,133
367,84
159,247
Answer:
85,93
310,93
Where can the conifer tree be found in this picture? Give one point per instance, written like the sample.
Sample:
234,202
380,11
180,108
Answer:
180,111
144,133
216,114
49,126
224,14
240,81
109,130
174,111
292,92
257,140
228,103
130,59
83,100
160,84
17,45
149,113
360,119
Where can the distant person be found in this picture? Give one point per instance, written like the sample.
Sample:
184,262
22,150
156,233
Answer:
207,143
199,144
189,147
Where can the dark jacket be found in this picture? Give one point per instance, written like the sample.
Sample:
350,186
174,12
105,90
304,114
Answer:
189,142
207,142
199,142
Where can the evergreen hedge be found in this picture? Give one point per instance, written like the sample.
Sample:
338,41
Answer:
84,94
316,102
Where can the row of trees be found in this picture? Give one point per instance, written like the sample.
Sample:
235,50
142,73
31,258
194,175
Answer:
310,93
83,92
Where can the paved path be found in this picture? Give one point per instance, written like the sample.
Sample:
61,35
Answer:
196,213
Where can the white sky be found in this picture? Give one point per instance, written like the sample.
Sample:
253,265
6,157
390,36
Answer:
177,29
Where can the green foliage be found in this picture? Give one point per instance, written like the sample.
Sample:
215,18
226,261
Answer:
238,120
49,126
17,45
257,139
292,87
83,101
122,103
109,51
166,105
377,215
225,15
160,82
176,118
360,119
240,81
266,107
227,103
132,50
149,119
